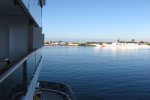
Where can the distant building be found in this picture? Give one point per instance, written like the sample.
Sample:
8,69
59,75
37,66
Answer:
72,44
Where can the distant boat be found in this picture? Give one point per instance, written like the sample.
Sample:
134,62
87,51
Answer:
98,45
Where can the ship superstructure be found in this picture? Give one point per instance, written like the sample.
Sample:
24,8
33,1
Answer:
21,40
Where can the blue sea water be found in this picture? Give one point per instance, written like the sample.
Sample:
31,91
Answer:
99,73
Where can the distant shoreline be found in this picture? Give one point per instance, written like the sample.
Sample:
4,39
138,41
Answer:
127,44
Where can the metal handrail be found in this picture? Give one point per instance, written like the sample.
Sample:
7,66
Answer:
14,66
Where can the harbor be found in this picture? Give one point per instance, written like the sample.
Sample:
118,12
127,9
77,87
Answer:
118,44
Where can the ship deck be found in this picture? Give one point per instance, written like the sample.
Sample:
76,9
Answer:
46,90
50,96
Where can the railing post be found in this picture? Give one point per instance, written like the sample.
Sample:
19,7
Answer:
25,83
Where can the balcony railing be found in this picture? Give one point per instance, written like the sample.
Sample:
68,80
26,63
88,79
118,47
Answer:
15,80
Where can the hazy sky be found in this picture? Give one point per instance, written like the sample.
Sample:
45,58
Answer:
96,20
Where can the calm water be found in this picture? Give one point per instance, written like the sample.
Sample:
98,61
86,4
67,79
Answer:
98,73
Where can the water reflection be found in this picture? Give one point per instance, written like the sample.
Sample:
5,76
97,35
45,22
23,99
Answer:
115,51
99,73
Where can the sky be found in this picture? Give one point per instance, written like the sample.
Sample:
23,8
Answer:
96,20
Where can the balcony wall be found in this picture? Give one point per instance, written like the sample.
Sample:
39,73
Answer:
36,39
18,37
13,37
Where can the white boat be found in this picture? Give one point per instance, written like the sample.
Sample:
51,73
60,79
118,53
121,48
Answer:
123,45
